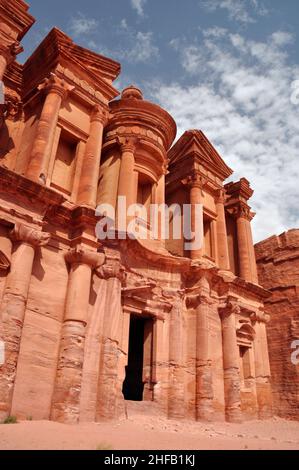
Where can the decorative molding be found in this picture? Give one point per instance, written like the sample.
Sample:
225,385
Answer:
195,180
29,235
220,196
112,271
128,144
54,84
80,255
241,211
10,49
100,113
231,308
195,300
260,316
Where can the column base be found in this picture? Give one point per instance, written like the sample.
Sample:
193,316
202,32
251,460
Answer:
233,416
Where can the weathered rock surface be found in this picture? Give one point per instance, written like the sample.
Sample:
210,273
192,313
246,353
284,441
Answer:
278,270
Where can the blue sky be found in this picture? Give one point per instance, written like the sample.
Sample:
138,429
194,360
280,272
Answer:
228,67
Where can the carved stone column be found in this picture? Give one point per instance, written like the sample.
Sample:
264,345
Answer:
89,178
66,398
195,183
13,306
56,91
262,366
176,398
222,245
204,393
247,262
109,384
127,180
231,362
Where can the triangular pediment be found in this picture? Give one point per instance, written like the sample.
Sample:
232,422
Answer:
58,48
194,146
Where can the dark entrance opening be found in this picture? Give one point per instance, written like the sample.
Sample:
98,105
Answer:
133,384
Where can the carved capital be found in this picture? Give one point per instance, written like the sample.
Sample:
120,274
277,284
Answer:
54,84
100,114
12,108
196,300
242,211
260,316
231,308
112,271
195,180
9,50
80,255
128,144
220,196
29,235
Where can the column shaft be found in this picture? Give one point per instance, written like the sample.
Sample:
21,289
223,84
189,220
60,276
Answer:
13,311
253,266
244,261
14,305
247,261
222,245
88,186
109,389
176,405
127,180
204,379
195,198
231,365
56,90
66,397
43,143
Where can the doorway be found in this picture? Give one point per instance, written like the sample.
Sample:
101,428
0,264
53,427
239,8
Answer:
138,383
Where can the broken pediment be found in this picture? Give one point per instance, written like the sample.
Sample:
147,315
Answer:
58,50
194,147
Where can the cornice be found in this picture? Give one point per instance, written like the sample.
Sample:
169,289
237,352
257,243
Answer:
88,70
13,183
15,14
193,145
146,119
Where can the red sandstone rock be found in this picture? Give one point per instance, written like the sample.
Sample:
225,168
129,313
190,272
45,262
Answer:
278,268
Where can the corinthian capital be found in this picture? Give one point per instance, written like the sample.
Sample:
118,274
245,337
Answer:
260,316
195,180
80,255
220,196
29,235
243,211
195,300
54,84
9,50
100,113
127,144
110,271
231,308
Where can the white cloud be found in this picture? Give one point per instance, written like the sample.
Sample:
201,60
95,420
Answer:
143,48
138,6
138,47
238,10
82,25
241,99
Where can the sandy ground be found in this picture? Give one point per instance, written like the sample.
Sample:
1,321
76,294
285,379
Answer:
142,431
